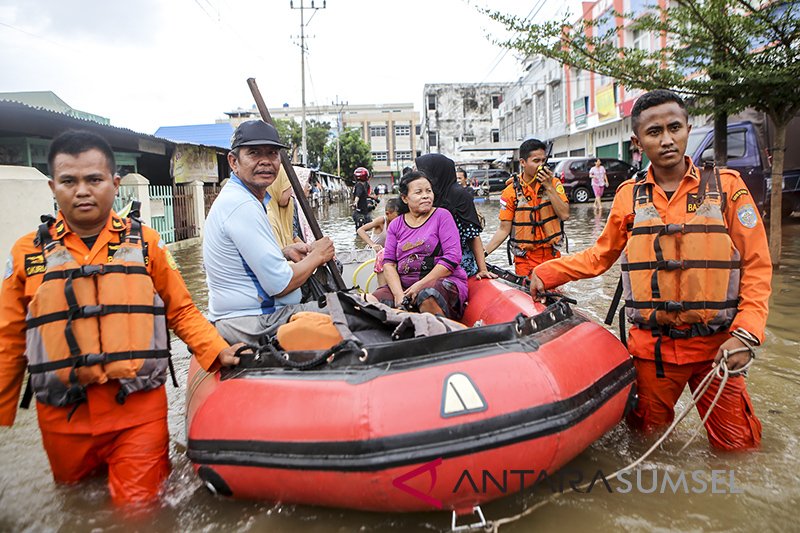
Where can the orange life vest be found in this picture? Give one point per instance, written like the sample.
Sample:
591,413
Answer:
90,323
681,280
535,224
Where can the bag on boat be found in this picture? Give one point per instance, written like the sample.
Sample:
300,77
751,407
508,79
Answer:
307,330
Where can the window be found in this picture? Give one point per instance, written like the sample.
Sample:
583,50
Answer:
402,130
417,129
613,165
431,102
377,131
641,40
495,136
402,155
736,144
581,166
497,99
579,151
468,139
380,156
432,138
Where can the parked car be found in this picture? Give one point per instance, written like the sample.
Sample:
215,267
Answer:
487,181
574,174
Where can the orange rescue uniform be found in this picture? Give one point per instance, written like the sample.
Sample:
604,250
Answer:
732,428
100,427
524,265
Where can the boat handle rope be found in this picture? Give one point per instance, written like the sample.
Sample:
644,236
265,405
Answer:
346,346
481,524
718,370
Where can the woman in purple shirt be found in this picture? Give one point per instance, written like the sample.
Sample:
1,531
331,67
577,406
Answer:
422,256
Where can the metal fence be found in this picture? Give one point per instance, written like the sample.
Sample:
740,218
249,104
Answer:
210,193
125,195
161,211
185,223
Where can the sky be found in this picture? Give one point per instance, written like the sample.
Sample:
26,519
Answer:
150,63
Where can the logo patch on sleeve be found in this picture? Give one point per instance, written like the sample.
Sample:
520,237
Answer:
560,188
747,216
171,260
34,264
9,267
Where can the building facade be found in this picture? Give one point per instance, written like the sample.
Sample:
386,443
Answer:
582,112
462,115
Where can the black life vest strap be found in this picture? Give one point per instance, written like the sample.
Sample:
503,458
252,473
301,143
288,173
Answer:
673,306
95,270
672,229
88,311
675,264
96,359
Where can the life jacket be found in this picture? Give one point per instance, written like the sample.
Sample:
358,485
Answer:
535,225
88,324
680,280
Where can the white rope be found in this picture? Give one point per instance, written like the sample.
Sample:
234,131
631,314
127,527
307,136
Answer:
719,370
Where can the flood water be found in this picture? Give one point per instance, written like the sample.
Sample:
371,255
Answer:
766,481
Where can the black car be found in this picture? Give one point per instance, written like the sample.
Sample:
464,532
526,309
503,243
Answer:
488,181
574,174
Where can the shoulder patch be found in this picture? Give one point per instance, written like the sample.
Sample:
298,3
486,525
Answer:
747,216
9,267
739,193
560,188
170,260
34,264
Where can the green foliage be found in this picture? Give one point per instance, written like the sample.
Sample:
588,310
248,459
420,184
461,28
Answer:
354,153
317,134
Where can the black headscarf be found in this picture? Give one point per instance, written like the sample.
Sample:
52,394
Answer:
441,172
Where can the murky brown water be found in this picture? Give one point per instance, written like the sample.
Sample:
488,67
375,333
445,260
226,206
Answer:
768,479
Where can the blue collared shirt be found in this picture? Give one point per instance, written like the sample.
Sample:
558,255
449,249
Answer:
244,264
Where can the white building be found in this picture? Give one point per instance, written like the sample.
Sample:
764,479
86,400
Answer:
459,115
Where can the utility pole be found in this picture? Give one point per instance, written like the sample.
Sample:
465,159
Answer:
338,134
302,9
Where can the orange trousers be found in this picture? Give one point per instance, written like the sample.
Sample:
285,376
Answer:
137,459
732,425
525,265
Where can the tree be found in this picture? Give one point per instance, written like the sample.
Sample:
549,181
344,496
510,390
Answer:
317,134
291,134
354,152
725,55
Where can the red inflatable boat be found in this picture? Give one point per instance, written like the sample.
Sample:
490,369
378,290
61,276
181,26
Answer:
447,421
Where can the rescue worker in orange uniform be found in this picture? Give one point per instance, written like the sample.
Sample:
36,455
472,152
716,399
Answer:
94,294
696,275
532,211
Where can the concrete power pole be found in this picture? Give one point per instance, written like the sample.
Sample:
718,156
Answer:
302,9
340,105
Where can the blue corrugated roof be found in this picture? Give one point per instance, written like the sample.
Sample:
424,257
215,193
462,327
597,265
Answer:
218,135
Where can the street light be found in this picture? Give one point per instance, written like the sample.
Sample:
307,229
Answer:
302,9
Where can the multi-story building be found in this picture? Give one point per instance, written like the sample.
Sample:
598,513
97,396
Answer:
462,115
391,130
534,106
582,112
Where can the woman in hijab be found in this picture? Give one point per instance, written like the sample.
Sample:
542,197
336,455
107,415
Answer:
459,201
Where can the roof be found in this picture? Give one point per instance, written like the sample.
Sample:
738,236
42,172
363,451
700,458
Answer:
51,102
24,119
218,135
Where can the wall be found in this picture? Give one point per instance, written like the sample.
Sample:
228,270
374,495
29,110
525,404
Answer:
25,197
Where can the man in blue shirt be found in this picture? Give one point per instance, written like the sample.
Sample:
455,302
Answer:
253,284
